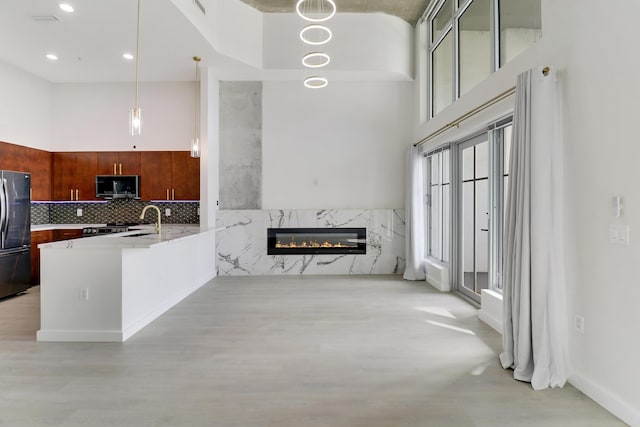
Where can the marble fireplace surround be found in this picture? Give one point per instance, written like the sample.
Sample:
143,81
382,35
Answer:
241,242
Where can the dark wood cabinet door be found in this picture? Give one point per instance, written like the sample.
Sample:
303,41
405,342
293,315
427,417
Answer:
86,165
63,176
38,237
118,163
74,176
185,176
107,163
155,175
13,157
41,169
129,163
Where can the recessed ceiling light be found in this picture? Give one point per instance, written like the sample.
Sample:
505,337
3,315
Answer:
51,56
66,7
127,56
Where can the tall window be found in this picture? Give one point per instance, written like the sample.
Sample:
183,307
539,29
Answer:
481,182
470,39
438,199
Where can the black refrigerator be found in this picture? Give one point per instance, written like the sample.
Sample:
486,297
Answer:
15,232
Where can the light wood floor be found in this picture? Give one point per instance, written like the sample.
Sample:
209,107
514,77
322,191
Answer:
281,351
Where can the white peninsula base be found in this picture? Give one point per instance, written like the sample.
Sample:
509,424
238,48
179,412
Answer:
108,288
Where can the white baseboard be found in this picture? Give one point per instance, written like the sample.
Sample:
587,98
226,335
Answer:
608,400
58,335
491,309
437,275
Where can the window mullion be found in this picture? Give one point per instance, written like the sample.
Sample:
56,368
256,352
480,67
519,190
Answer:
495,35
456,56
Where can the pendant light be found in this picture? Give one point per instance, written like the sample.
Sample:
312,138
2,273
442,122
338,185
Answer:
315,34
135,115
195,142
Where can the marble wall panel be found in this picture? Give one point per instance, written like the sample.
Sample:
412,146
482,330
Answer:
241,242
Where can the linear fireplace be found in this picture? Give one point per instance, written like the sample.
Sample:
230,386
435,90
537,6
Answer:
316,241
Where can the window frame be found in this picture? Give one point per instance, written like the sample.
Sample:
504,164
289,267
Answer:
443,256
453,25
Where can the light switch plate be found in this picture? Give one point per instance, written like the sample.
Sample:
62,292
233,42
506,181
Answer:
619,234
167,212
79,211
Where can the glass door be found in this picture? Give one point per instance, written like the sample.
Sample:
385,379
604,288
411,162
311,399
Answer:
473,216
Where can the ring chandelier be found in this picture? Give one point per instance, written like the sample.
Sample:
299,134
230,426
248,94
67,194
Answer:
317,28
315,34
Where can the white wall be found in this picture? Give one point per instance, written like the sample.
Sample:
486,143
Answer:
361,42
339,147
601,92
221,27
598,70
25,108
94,116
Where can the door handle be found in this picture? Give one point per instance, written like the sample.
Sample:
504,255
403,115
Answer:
484,229
3,207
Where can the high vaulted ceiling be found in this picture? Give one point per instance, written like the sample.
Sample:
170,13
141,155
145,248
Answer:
409,10
90,41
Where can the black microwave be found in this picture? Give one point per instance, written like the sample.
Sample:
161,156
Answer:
118,186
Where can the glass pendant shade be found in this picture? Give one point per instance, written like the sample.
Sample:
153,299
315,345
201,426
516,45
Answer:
195,147
195,142
135,121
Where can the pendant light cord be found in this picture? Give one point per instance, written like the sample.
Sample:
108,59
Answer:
137,51
196,59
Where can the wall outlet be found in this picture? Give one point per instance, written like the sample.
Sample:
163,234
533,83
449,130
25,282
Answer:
167,212
79,211
84,294
578,323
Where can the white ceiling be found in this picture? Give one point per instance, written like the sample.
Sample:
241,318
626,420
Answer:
89,42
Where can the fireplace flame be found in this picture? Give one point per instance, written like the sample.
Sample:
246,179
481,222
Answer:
313,244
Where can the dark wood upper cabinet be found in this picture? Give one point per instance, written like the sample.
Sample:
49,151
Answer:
41,169
24,159
185,176
155,171
71,176
74,176
118,163
169,175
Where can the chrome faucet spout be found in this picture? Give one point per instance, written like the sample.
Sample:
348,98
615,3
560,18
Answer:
144,210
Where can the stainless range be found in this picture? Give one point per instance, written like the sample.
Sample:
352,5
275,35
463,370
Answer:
107,229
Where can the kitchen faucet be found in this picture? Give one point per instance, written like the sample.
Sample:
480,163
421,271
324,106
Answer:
158,225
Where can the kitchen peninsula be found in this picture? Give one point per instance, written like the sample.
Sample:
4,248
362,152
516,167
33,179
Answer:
107,288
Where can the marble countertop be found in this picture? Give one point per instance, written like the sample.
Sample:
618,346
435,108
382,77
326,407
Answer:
144,236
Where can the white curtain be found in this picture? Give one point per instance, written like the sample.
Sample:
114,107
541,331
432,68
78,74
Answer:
414,216
535,324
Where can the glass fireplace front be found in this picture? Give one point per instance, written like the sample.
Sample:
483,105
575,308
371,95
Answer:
316,241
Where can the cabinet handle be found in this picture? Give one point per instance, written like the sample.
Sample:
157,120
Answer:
120,164
173,194
72,194
114,168
77,194
167,194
